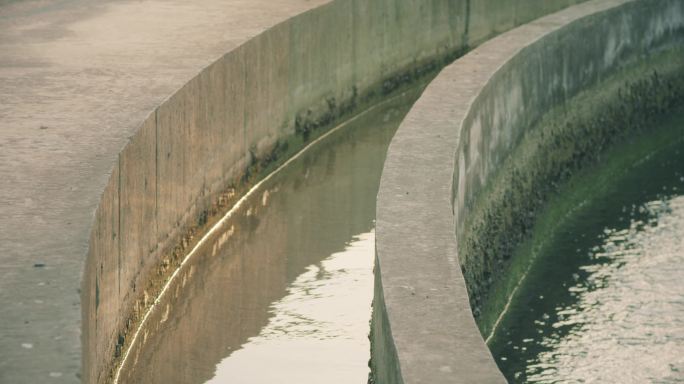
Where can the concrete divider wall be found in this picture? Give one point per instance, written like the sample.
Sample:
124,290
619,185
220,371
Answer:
257,103
541,77
463,132
488,18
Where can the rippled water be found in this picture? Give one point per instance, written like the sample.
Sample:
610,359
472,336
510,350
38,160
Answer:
283,293
605,301
319,328
627,325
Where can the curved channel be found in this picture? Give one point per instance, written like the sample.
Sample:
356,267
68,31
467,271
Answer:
604,301
283,293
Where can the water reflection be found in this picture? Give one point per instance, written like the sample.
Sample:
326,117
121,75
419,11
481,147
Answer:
627,325
283,293
319,329
604,302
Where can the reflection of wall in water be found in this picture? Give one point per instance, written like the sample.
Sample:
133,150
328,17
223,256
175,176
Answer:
310,210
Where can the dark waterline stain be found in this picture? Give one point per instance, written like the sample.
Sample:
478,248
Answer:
604,300
284,293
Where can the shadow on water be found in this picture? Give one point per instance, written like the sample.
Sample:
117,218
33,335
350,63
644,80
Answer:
283,293
604,300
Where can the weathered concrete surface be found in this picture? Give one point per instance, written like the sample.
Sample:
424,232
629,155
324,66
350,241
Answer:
195,93
548,112
77,78
456,136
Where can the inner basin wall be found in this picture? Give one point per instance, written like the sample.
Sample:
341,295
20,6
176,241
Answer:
255,103
600,56
465,128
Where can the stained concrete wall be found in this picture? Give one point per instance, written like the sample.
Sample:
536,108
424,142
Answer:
542,77
281,87
455,140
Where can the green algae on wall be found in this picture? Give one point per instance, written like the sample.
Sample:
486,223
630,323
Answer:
644,167
565,140
471,119
237,119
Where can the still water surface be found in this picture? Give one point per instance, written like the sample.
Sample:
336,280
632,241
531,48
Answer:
605,301
283,294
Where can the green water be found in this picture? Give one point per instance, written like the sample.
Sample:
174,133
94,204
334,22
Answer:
603,302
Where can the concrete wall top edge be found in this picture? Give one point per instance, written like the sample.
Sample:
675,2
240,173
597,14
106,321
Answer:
85,107
77,80
423,290
85,91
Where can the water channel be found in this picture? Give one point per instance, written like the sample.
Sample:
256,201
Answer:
604,300
283,294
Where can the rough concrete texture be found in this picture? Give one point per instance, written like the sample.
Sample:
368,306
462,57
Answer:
454,139
559,132
77,80
136,108
494,242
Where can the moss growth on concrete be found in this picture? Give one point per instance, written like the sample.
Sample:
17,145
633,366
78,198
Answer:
567,140
580,192
313,121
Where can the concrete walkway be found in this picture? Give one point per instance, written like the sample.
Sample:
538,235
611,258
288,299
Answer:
76,80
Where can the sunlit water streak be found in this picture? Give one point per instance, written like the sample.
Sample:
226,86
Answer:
627,325
325,311
282,293
604,300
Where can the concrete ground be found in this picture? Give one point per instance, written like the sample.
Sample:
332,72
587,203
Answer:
76,79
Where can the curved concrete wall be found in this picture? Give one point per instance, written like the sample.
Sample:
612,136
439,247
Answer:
460,136
241,114
195,148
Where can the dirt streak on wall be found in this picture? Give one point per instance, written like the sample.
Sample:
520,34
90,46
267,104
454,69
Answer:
240,116
548,113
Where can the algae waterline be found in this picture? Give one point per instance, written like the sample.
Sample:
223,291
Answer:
567,139
603,301
283,293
